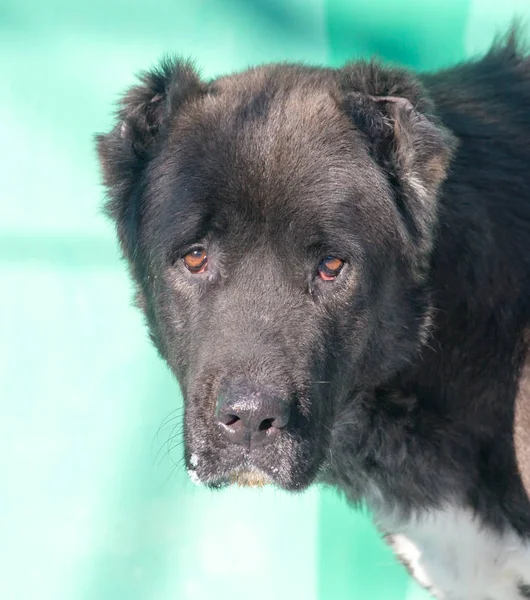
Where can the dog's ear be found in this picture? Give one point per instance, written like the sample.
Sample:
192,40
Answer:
143,116
391,108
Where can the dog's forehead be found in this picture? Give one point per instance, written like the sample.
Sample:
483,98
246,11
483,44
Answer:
277,82
269,112
269,152
271,138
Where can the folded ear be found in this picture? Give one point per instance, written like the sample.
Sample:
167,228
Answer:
143,116
393,111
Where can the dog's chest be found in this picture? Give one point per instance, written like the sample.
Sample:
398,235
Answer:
450,553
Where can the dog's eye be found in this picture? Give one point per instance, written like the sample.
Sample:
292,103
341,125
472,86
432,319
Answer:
329,268
196,261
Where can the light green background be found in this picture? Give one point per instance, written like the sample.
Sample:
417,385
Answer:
92,505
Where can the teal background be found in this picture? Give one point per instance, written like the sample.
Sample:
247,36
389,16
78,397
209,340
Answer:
93,502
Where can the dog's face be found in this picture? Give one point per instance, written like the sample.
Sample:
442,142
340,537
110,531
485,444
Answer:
278,224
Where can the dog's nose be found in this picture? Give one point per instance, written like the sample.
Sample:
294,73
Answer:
251,416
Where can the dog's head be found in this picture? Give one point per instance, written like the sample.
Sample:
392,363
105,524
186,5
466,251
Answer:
278,224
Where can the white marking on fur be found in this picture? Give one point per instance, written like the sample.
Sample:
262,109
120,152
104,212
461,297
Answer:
415,183
192,473
459,558
194,477
411,554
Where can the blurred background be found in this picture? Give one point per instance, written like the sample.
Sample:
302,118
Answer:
94,504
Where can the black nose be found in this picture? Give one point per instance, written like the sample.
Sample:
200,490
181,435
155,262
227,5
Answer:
251,415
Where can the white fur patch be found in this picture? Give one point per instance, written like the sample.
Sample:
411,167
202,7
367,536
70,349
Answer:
194,477
192,473
415,183
450,552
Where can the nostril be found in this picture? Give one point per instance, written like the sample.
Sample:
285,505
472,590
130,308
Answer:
278,422
228,419
266,424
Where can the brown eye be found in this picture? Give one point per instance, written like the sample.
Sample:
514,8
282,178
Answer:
196,260
329,268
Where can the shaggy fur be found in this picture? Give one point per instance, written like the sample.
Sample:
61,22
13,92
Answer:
404,374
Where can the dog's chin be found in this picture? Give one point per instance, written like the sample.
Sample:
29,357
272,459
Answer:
256,469
252,478
244,478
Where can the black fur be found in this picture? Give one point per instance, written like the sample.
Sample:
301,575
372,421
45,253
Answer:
404,371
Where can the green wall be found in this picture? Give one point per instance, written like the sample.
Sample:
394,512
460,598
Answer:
94,504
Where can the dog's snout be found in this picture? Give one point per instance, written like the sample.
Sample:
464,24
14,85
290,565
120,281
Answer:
250,415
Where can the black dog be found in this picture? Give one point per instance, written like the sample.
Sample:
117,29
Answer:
336,266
